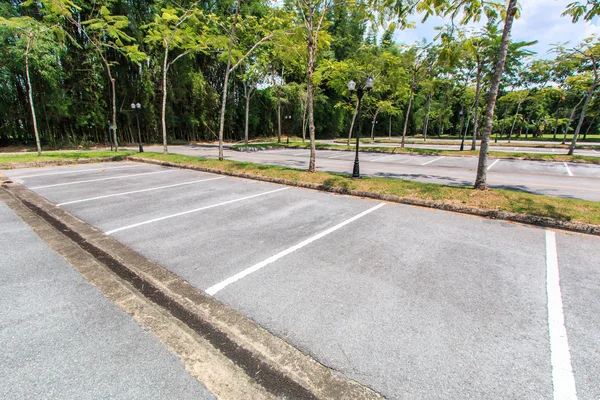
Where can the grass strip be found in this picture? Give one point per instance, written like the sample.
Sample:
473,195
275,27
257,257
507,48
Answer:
433,152
8,159
561,209
427,194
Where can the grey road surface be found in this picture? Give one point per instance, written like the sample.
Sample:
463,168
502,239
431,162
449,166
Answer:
514,147
61,339
413,302
569,180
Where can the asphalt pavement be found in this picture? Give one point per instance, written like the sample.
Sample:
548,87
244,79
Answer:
61,339
559,179
412,302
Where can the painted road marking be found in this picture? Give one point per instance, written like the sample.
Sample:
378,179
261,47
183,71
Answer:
563,380
568,169
515,148
341,155
300,154
437,159
219,286
102,179
193,211
494,163
75,171
594,151
382,158
137,191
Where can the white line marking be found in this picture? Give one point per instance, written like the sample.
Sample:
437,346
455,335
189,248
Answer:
381,158
437,159
494,163
594,151
193,211
75,171
553,150
563,380
219,286
101,179
341,155
515,148
299,154
568,169
137,191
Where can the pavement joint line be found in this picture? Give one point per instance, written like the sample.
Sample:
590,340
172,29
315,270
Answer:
494,163
563,379
429,162
194,210
568,169
137,191
74,172
242,274
100,179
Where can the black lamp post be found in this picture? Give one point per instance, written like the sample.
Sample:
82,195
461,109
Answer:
360,91
136,107
289,126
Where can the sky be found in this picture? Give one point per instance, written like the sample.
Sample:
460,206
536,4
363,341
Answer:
540,20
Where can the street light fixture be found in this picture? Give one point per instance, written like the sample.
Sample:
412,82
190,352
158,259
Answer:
136,107
288,118
360,91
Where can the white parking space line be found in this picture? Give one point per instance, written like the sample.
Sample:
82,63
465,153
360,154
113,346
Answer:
341,155
300,154
437,159
137,191
494,163
193,211
594,151
382,158
568,169
102,179
219,286
75,171
516,148
563,380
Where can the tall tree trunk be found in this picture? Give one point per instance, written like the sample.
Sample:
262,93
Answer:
571,119
373,124
310,97
352,123
30,94
426,124
410,100
164,99
390,128
589,128
304,118
514,122
247,94
278,86
582,116
556,123
476,106
481,179
226,80
114,112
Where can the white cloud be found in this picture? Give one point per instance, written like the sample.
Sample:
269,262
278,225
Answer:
540,20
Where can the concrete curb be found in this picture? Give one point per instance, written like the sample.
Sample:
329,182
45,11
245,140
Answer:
545,222
268,360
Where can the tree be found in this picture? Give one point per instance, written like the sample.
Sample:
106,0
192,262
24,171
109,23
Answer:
175,29
38,44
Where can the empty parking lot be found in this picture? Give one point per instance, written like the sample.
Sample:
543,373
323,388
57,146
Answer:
560,179
415,303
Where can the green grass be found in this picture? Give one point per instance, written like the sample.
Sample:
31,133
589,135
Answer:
496,199
433,152
505,200
58,156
